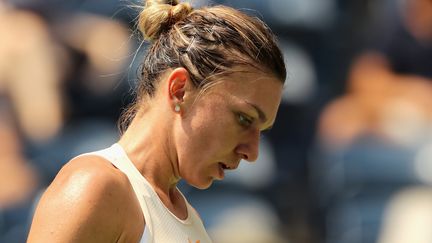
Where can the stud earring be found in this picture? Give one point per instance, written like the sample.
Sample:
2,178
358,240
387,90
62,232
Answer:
177,108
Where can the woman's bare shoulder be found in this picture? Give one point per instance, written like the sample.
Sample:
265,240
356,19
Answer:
88,201
92,177
87,170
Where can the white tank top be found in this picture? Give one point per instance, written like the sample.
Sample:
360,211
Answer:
161,225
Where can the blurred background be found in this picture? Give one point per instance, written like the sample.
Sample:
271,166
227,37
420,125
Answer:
348,160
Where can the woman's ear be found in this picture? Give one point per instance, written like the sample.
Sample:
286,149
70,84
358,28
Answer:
177,82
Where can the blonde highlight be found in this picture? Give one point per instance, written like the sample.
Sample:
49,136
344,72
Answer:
159,16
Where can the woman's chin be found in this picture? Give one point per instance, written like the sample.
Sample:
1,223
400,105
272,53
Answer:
202,184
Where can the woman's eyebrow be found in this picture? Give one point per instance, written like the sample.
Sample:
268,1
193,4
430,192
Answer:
262,116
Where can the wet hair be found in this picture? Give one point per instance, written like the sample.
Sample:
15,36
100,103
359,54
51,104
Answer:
208,42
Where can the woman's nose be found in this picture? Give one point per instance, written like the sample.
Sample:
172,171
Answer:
249,148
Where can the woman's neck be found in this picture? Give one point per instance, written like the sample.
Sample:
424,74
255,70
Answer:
147,144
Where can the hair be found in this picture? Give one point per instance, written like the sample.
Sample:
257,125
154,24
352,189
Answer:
208,42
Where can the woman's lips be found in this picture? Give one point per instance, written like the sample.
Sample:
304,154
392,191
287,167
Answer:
222,167
221,172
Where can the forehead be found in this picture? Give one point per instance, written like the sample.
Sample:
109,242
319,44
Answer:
245,82
254,88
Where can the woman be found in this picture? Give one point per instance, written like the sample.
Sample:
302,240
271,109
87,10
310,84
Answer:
211,82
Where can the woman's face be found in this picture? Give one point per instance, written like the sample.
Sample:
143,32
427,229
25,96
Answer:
224,125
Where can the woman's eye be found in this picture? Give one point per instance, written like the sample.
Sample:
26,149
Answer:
244,120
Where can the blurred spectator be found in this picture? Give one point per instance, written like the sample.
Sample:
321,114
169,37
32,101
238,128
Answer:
388,81
30,73
56,73
395,107
30,99
369,137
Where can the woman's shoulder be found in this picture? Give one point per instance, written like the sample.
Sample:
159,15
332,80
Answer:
90,167
88,195
91,176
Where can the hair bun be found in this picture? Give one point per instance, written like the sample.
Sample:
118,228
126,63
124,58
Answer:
159,16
